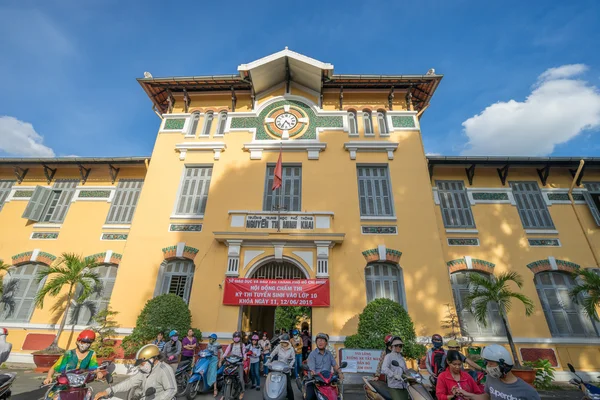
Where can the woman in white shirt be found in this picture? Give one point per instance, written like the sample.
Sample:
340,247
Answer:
286,353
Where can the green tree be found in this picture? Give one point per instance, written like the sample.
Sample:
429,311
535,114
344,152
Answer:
485,291
73,272
105,327
451,322
289,317
382,317
587,293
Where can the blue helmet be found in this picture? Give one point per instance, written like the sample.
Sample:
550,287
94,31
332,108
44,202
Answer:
173,333
295,332
213,336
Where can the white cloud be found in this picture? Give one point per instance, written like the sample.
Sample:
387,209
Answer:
432,154
18,138
558,109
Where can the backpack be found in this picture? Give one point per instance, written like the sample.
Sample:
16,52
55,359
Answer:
437,356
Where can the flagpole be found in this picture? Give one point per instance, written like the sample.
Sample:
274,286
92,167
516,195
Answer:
279,205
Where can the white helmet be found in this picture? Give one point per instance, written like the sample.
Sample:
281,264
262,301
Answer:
497,353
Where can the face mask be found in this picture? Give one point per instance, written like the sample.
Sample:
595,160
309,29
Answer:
83,347
494,372
146,367
211,341
174,338
437,345
236,339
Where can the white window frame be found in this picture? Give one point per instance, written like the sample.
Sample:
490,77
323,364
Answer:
221,124
382,123
367,117
194,122
381,278
352,123
208,121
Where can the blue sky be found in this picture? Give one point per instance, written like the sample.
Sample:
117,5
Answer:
521,77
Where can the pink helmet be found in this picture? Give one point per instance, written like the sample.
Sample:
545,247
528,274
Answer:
254,337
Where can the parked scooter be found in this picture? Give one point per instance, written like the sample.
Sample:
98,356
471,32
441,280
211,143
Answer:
197,382
590,392
325,384
182,376
378,390
231,382
276,382
6,381
73,385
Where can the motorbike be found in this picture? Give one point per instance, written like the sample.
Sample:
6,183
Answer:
197,382
378,390
325,384
73,384
182,376
6,381
149,392
590,392
276,382
231,382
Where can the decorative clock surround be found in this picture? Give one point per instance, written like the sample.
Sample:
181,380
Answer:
286,121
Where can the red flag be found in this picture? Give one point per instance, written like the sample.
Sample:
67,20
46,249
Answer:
278,178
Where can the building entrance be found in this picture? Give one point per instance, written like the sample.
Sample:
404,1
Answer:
262,318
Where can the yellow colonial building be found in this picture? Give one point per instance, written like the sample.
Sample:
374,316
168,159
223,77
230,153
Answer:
362,211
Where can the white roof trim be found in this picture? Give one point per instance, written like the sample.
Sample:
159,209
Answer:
285,53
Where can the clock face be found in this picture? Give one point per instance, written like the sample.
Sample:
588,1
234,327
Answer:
286,121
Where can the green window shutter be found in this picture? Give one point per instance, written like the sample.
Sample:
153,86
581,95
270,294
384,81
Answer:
67,190
125,201
193,194
5,188
592,198
532,208
454,205
374,192
37,203
270,196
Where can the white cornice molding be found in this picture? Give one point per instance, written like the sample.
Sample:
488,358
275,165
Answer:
370,147
216,147
312,147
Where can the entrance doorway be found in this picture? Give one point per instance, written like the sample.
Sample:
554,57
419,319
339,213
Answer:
262,318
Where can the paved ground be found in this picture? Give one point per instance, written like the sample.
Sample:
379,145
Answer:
27,387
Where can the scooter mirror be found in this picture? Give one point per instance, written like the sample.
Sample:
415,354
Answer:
343,364
571,368
150,391
109,378
305,367
395,363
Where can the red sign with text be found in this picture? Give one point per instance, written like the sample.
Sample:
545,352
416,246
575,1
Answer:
276,292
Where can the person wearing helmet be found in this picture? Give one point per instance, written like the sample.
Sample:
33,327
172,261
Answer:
434,358
395,383
285,353
237,348
501,383
454,345
321,360
296,342
265,345
152,373
5,347
81,357
172,350
211,373
255,351
387,350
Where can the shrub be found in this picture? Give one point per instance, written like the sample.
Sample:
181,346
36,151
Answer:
380,318
544,374
160,314
105,327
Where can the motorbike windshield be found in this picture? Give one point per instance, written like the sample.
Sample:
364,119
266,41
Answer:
279,366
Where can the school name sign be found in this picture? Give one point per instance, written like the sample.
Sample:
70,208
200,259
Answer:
296,222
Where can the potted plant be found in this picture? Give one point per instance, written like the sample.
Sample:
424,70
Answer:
486,291
74,273
105,327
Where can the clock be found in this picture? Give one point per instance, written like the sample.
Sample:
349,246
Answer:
286,121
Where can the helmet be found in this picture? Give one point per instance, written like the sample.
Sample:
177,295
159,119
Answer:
395,339
237,334
387,339
322,336
497,353
3,331
285,338
145,353
295,332
213,336
437,337
87,336
255,337
173,333
452,343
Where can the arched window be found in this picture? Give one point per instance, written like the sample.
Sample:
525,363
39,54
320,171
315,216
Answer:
20,288
384,280
564,317
352,125
367,122
382,122
194,123
469,326
208,119
176,278
221,123
81,313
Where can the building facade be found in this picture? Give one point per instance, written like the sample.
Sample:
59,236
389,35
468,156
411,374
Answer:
361,208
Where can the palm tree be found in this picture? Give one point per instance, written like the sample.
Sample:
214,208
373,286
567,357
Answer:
590,289
3,268
75,273
7,291
486,291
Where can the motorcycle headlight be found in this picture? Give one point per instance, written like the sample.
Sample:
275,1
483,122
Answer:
76,380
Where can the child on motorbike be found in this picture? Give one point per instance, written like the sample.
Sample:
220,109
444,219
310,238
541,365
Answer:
255,351
237,348
396,384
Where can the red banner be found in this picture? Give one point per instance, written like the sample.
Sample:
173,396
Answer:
276,292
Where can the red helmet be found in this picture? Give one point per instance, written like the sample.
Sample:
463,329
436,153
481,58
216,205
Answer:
388,338
87,336
3,331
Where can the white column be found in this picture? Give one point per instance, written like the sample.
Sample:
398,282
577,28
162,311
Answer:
323,258
233,257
